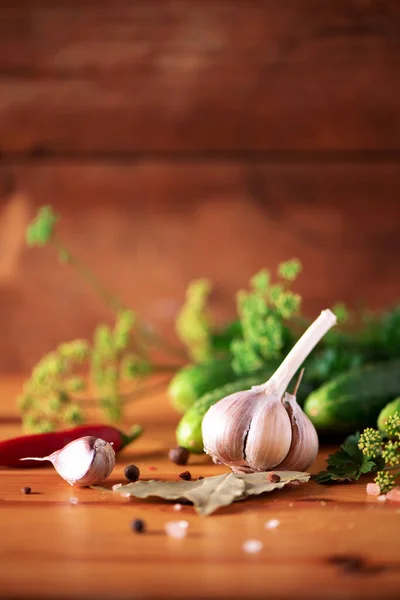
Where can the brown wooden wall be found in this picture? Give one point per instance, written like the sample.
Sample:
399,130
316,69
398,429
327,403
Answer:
189,138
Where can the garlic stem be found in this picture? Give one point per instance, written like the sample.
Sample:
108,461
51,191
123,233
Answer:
310,338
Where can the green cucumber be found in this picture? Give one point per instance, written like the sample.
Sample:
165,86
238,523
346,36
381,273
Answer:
354,399
188,432
195,380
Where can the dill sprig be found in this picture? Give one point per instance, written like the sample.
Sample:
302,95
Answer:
193,322
52,396
264,312
386,445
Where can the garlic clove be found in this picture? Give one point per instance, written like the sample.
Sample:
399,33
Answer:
74,460
269,436
225,426
304,447
85,461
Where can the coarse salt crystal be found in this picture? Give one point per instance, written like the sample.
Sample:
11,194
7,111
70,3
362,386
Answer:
394,495
272,524
175,529
382,498
73,500
373,489
125,495
116,486
184,524
177,506
252,546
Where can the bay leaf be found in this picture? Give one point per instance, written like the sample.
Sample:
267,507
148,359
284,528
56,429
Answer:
258,483
212,493
169,490
216,492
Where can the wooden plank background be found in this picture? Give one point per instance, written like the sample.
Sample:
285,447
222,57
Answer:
182,139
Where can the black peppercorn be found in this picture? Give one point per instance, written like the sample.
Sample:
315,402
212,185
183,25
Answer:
199,478
138,526
186,475
132,473
178,455
26,490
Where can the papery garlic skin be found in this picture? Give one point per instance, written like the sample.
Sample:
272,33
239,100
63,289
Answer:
85,461
304,447
253,430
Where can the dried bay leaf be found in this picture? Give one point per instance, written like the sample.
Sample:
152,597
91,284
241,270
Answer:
216,492
212,493
169,490
258,483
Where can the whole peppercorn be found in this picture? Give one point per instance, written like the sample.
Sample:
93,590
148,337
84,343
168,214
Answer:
132,473
273,477
186,475
178,455
138,526
26,490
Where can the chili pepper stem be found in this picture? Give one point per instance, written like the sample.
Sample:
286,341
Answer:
136,431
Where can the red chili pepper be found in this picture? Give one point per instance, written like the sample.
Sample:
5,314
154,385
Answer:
43,444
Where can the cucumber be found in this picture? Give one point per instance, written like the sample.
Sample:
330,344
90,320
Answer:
388,411
195,380
354,399
188,432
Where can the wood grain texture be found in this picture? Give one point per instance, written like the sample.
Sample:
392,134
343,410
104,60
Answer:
173,76
332,542
147,228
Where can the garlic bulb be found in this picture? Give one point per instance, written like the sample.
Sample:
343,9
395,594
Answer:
261,428
85,461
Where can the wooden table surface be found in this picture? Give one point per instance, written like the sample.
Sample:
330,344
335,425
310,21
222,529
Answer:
332,542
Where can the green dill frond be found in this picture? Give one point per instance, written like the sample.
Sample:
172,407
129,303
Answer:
390,453
392,426
260,281
193,323
385,480
289,269
341,312
40,231
370,442
262,312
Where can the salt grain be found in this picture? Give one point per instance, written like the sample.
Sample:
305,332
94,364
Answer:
272,524
252,546
177,506
116,486
176,529
394,495
373,489
126,495
73,500
381,498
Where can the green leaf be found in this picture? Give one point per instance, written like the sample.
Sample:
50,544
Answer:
348,463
